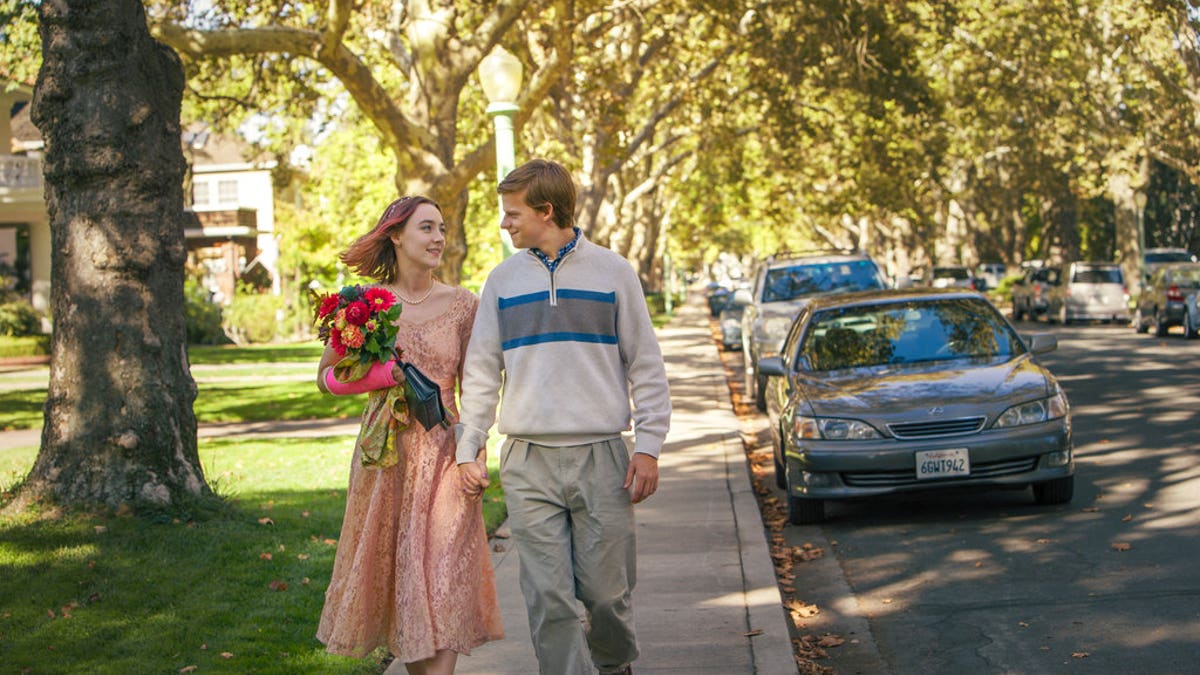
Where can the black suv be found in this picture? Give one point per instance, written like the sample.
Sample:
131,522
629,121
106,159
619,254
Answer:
781,285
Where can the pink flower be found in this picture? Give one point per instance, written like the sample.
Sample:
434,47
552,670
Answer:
357,313
380,299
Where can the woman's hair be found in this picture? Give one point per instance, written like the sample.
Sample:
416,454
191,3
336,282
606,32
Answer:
545,183
373,254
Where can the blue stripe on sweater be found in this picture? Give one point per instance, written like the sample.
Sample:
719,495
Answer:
559,337
610,298
505,303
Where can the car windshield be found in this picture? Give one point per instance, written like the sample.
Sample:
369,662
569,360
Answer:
1169,256
789,283
906,332
1098,275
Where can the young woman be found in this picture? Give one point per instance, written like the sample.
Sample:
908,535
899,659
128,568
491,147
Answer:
412,571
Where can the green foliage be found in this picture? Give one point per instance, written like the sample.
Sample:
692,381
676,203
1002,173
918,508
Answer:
19,319
202,317
20,46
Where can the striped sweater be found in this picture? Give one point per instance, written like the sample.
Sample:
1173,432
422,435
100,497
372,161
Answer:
571,348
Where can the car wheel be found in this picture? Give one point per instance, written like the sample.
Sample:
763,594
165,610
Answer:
1160,325
1189,331
1057,491
805,511
760,388
1139,324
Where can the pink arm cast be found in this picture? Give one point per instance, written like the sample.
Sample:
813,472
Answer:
378,377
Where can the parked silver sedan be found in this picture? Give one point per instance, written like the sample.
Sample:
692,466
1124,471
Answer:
918,389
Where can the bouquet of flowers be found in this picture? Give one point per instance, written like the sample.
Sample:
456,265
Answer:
361,323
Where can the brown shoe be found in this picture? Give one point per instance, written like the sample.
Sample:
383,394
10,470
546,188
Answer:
627,670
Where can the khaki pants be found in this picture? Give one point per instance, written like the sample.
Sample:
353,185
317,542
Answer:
572,523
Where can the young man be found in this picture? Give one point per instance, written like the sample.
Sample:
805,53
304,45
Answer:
564,327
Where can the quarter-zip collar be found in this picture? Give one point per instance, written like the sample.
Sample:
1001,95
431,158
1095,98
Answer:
553,265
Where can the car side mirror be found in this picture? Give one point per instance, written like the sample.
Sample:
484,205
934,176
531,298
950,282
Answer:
741,298
1041,343
771,366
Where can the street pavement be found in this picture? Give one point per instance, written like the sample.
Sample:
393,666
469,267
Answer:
707,600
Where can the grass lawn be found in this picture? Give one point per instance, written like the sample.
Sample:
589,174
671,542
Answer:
235,384
236,591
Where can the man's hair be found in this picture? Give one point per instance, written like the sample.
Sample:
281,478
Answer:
546,183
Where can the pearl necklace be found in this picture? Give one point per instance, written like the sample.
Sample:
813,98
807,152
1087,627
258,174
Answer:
406,301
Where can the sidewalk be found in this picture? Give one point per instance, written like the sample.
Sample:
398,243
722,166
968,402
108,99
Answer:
707,599
705,577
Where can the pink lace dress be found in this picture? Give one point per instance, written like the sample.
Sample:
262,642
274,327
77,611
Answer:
412,571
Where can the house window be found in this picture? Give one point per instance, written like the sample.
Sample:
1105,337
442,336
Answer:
227,192
200,195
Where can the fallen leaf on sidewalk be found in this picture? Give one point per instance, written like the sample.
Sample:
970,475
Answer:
830,640
1121,546
800,610
754,633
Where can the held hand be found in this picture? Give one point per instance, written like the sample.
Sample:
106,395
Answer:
397,372
642,478
474,476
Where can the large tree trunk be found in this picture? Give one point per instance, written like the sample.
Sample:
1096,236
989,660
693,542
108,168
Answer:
119,426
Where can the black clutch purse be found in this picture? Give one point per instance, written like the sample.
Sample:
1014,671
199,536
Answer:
424,398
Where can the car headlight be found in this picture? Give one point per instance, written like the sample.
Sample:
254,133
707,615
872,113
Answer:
1033,412
832,429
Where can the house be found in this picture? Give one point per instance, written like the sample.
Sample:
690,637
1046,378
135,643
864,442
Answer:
231,236
24,221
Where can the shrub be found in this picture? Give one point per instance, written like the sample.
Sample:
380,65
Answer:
19,318
254,317
201,316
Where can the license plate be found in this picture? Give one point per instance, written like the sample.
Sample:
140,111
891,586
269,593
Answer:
943,463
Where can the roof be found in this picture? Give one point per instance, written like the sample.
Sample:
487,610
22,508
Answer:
814,258
23,131
886,295
211,148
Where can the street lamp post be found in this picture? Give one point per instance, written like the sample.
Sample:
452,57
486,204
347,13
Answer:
500,74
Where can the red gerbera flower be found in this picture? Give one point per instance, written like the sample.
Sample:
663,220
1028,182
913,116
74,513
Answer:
380,299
